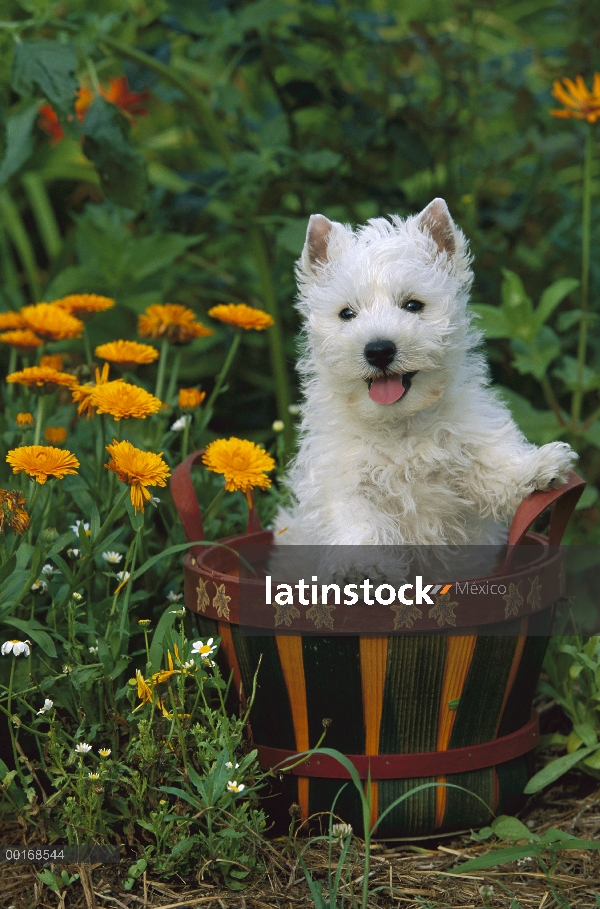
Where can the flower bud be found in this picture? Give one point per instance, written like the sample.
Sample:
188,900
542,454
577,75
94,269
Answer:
49,535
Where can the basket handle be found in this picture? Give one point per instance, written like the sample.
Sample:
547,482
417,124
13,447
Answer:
186,501
564,499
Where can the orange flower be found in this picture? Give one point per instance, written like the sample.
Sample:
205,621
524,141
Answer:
24,419
12,512
80,304
127,354
42,461
172,321
54,361
122,400
139,469
49,122
190,398
55,434
119,94
51,321
239,315
10,320
23,338
82,394
42,378
243,464
579,102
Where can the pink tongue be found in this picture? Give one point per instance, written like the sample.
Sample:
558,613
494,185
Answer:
386,390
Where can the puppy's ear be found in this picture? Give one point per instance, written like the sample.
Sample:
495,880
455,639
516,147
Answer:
435,220
317,239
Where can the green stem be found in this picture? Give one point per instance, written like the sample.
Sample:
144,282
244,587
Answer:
208,410
43,212
17,233
174,375
39,420
186,436
275,334
162,368
10,723
12,361
214,505
585,271
88,349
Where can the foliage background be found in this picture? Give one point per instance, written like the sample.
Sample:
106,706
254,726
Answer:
261,113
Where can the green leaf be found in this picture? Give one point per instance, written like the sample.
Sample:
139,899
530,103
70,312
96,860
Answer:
48,67
19,141
586,733
122,169
540,426
453,704
492,321
162,629
7,569
568,372
498,857
517,307
158,251
555,769
593,760
510,828
552,297
35,632
534,358
588,498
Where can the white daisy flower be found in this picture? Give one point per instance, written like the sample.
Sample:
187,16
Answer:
173,597
16,648
189,665
177,612
75,528
48,705
73,553
113,558
39,586
278,426
339,831
104,752
123,575
205,650
234,786
229,765
93,776
181,423
154,500
293,409
67,668
77,596
48,570
93,649
82,748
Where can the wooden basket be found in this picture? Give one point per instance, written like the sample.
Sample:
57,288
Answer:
451,706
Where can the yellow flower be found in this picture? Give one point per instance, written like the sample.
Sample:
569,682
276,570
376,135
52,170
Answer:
55,434
42,378
139,469
10,320
127,354
51,322
12,511
172,321
579,102
83,393
55,361
21,337
24,419
190,398
122,400
243,464
79,304
241,316
42,461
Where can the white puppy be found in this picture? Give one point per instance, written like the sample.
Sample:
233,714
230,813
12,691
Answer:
402,440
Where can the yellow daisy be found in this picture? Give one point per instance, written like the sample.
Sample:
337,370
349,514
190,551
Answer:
127,354
239,315
42,461
82,394
43,379
80,304
579,102
51,322
243,464
139,469
55,434
190,398
24,419
122,400
172,321
55,361
12,512
23,338
10,320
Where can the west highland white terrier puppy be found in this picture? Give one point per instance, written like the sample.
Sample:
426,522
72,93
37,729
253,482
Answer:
402,439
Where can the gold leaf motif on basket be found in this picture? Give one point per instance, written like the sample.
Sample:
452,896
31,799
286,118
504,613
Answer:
320,614
286,613
203,598
534,597
220,601
443,610
406,615
513,600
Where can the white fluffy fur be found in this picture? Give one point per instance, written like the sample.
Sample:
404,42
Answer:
444,464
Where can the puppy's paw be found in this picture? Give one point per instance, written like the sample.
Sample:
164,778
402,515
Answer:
554,462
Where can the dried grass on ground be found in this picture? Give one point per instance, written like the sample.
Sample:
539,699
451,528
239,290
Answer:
419,880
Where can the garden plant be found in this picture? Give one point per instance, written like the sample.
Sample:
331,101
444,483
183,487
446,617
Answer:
158,164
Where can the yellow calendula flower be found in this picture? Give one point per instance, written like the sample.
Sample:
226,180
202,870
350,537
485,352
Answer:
51,322
172,321
190,398
122,400
12,512
24,419
127,354
54,361
139,469
42,378
22,338
81,304
10,320
243,464
82,394
579,102
42,461
239,315
55,434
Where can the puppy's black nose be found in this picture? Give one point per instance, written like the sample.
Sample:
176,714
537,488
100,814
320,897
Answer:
380,353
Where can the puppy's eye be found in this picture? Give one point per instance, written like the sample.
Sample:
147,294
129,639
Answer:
413,306
347,314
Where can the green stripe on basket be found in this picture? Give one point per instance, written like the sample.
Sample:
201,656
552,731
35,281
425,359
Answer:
409,724
512,779
462,809
271,716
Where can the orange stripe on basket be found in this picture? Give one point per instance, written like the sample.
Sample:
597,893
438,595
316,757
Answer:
292,666
514,668
459,653
373,665
230,655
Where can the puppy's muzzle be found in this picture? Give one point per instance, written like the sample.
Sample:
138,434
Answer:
380,353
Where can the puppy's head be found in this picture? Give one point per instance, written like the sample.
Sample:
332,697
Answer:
385,311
